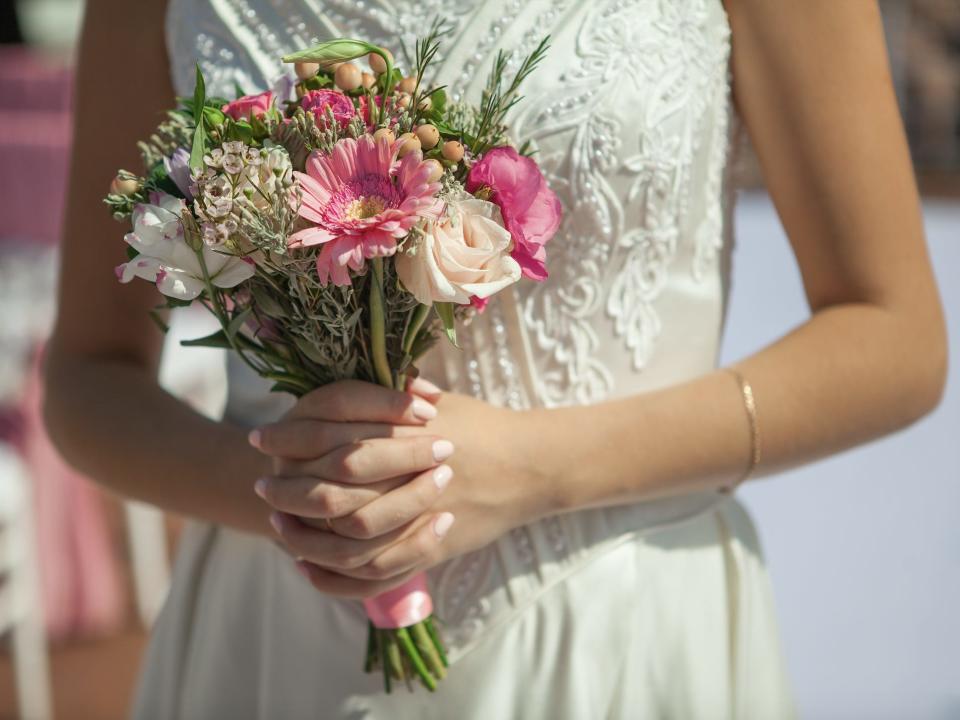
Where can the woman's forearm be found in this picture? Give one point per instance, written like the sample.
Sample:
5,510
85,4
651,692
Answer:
112,421
851,374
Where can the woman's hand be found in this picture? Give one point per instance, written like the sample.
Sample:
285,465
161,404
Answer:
376,475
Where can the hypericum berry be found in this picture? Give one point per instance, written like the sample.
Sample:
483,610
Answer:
407,85
123,186
347,77
452,151
376,62
428,135
436,170
367,80
408,143
385,133
306,70
425,104
403,101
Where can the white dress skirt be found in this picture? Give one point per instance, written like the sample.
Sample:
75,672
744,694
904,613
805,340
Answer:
653,610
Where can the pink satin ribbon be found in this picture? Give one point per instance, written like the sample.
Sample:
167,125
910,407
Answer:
403,606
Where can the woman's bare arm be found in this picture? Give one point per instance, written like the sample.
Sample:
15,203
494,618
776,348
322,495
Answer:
104,409
811,82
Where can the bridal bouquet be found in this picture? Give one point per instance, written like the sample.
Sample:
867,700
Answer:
337,227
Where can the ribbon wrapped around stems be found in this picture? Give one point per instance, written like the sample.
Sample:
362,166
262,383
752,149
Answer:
403,606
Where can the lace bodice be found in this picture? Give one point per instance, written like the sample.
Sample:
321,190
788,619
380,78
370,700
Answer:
629,115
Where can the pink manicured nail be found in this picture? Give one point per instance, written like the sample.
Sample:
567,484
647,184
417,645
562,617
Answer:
254,438
442,449
423,386
442,524
276,522
423,410
260,488
442,475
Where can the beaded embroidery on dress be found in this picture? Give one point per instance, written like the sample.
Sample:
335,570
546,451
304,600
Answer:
636,292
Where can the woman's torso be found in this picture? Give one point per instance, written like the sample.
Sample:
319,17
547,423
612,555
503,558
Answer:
629,115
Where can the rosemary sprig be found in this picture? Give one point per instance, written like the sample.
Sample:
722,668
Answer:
495,102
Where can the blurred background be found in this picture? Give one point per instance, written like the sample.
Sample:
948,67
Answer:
864,548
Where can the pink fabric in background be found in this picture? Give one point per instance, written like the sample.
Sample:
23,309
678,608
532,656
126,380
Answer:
82,592
35,98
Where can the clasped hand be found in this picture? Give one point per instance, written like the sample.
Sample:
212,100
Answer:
367,482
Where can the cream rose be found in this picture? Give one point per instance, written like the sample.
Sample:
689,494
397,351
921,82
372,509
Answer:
465,254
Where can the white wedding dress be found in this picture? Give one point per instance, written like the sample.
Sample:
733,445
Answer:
654,610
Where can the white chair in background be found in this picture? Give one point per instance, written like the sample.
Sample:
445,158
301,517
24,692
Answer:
21,612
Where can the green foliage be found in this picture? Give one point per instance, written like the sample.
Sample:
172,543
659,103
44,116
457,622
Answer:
199,145
496,100
318,82
159,179
445,311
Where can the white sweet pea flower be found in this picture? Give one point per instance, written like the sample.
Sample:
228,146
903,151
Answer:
167,260
462,256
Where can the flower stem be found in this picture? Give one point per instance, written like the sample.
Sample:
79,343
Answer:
220,312
424,642
437,643
419,317
378,331
413,654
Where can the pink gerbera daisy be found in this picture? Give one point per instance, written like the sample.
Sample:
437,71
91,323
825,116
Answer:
360,201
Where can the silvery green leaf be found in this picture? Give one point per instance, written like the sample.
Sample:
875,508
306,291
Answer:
267,303
237,321
310,350
445,312
216,340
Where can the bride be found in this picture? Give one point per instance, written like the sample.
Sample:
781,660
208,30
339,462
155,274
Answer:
571,496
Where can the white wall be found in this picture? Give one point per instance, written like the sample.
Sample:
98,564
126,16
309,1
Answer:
864,548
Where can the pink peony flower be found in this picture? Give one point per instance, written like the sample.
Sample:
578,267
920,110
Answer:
249,106
317,102
531,211
360,200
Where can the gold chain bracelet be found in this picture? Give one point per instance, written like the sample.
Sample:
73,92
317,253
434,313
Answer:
750,406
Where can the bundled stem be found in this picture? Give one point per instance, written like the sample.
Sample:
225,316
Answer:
417,647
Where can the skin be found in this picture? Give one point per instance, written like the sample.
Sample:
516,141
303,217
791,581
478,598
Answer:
812,85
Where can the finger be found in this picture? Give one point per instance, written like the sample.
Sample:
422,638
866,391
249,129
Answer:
376,459
424,388
334,583
311,497
396,508
328,549
358,401
306,439
419,550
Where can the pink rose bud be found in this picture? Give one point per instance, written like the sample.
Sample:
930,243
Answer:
249,106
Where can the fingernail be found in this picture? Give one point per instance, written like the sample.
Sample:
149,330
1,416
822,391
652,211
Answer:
423,410
424,387
276,522
260,488
442,524
441,476
254,438
442,449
